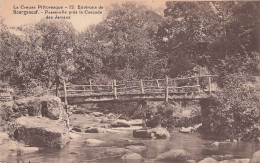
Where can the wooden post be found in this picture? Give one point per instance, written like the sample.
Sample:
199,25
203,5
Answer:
65,96
115,90
90,84
141,86
142,106
209,84
166,89
157,81
198,83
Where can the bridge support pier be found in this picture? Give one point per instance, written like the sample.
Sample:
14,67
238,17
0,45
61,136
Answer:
143,106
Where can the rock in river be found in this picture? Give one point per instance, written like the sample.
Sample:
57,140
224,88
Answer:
115,152
208,160
40,132
174,155
91,130
159,133
142,133
76,128
132,156
256,157
137,148
187,130
74,135
120,123
94,142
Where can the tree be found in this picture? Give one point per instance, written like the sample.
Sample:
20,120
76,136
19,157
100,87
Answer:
87,56
126,37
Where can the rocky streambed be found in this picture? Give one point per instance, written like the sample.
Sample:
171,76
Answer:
89,136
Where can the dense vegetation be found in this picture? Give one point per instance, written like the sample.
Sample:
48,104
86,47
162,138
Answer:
134,42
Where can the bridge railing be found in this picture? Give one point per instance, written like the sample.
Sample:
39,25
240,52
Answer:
156,86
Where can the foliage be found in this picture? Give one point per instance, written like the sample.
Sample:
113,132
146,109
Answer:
235,110
126,37
205,33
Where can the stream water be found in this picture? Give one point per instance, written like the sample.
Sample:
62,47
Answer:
77,151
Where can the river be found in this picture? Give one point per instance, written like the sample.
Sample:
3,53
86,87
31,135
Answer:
77,151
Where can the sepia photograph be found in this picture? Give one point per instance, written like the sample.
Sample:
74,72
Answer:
116,81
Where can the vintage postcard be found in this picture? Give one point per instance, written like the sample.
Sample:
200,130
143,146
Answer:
118,81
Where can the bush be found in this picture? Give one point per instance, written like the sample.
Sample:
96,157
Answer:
234,112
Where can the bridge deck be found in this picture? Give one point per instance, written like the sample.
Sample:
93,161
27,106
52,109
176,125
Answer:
80,99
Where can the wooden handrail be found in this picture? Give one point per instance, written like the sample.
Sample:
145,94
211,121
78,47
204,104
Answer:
128,87
88,86
188,86
118,88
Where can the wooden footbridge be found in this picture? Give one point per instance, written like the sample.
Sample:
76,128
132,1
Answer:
188,88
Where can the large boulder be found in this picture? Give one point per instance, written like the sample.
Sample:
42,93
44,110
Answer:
159,133
174,155
46,106
28,106
39,132
256,157
52,108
